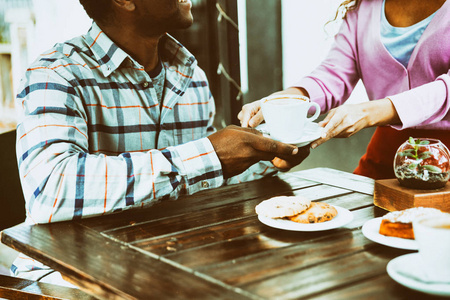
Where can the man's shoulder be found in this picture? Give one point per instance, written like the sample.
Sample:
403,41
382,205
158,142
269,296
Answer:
72,53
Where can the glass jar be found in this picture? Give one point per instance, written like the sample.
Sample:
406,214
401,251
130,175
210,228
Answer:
422,164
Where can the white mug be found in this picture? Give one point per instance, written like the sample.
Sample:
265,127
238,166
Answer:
286,115
432,234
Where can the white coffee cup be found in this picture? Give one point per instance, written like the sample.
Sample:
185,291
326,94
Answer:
286,115
433,238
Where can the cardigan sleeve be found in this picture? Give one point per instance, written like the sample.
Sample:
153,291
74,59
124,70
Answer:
426,105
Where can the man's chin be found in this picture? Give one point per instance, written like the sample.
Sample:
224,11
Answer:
172,24
185,23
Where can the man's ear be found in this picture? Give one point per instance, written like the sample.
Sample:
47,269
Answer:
128,5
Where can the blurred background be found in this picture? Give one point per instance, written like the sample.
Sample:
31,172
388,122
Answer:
248,49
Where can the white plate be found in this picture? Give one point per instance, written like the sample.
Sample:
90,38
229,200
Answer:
343,217
371,229
311,132
399,268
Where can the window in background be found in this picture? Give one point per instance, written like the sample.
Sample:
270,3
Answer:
16,29
27,29
306,41
58,21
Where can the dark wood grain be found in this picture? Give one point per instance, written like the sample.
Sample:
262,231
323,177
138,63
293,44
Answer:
211,245
201,237
328,275
120,271
263,239
379,287
18,289
225,195
268,263
236,208
390,195
256,268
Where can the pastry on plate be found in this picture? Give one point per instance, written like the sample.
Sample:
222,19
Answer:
282,206
317,212
399,223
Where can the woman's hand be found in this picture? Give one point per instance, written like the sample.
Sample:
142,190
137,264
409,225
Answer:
346,120
251,114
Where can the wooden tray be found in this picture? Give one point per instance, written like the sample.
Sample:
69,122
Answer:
389,195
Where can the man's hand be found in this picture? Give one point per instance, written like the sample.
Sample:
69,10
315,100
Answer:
251,114
288,163
238,148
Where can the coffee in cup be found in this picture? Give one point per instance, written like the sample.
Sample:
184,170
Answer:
433,238
286,116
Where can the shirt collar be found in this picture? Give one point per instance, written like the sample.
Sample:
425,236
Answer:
175,53
107,53
110,56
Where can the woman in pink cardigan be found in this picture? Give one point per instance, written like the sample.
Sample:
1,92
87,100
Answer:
400,49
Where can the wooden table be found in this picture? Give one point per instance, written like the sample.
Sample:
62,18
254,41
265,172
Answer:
211,246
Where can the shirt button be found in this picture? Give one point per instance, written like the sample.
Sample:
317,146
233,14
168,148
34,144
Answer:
145,84
205,184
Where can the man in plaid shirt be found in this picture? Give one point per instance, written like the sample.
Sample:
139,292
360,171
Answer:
122,117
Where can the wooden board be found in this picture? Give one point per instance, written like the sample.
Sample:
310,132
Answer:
333,177
390,195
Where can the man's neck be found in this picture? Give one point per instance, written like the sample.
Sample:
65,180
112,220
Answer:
143,49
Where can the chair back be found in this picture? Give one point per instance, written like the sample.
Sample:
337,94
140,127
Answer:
12,203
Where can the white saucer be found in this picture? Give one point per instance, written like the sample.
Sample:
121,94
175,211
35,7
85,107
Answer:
406,270
343,217
311,132
371,229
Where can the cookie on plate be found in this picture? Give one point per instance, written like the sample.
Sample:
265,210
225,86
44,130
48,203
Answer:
282,206
317,212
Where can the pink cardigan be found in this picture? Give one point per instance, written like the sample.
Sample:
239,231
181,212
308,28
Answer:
420,93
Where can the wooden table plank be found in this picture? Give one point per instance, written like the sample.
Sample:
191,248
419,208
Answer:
22,289
205,199
326,276
263,239
235,227
120,271
267,262
379,287
337,178
200,237
311,251
209,216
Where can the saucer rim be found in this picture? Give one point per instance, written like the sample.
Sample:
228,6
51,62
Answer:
409,282
304,140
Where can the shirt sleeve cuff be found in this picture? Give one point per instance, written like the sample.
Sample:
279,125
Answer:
201,165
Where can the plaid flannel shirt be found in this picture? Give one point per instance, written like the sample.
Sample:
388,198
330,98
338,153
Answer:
93,137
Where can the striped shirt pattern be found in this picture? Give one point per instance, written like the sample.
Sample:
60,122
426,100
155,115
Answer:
94,139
